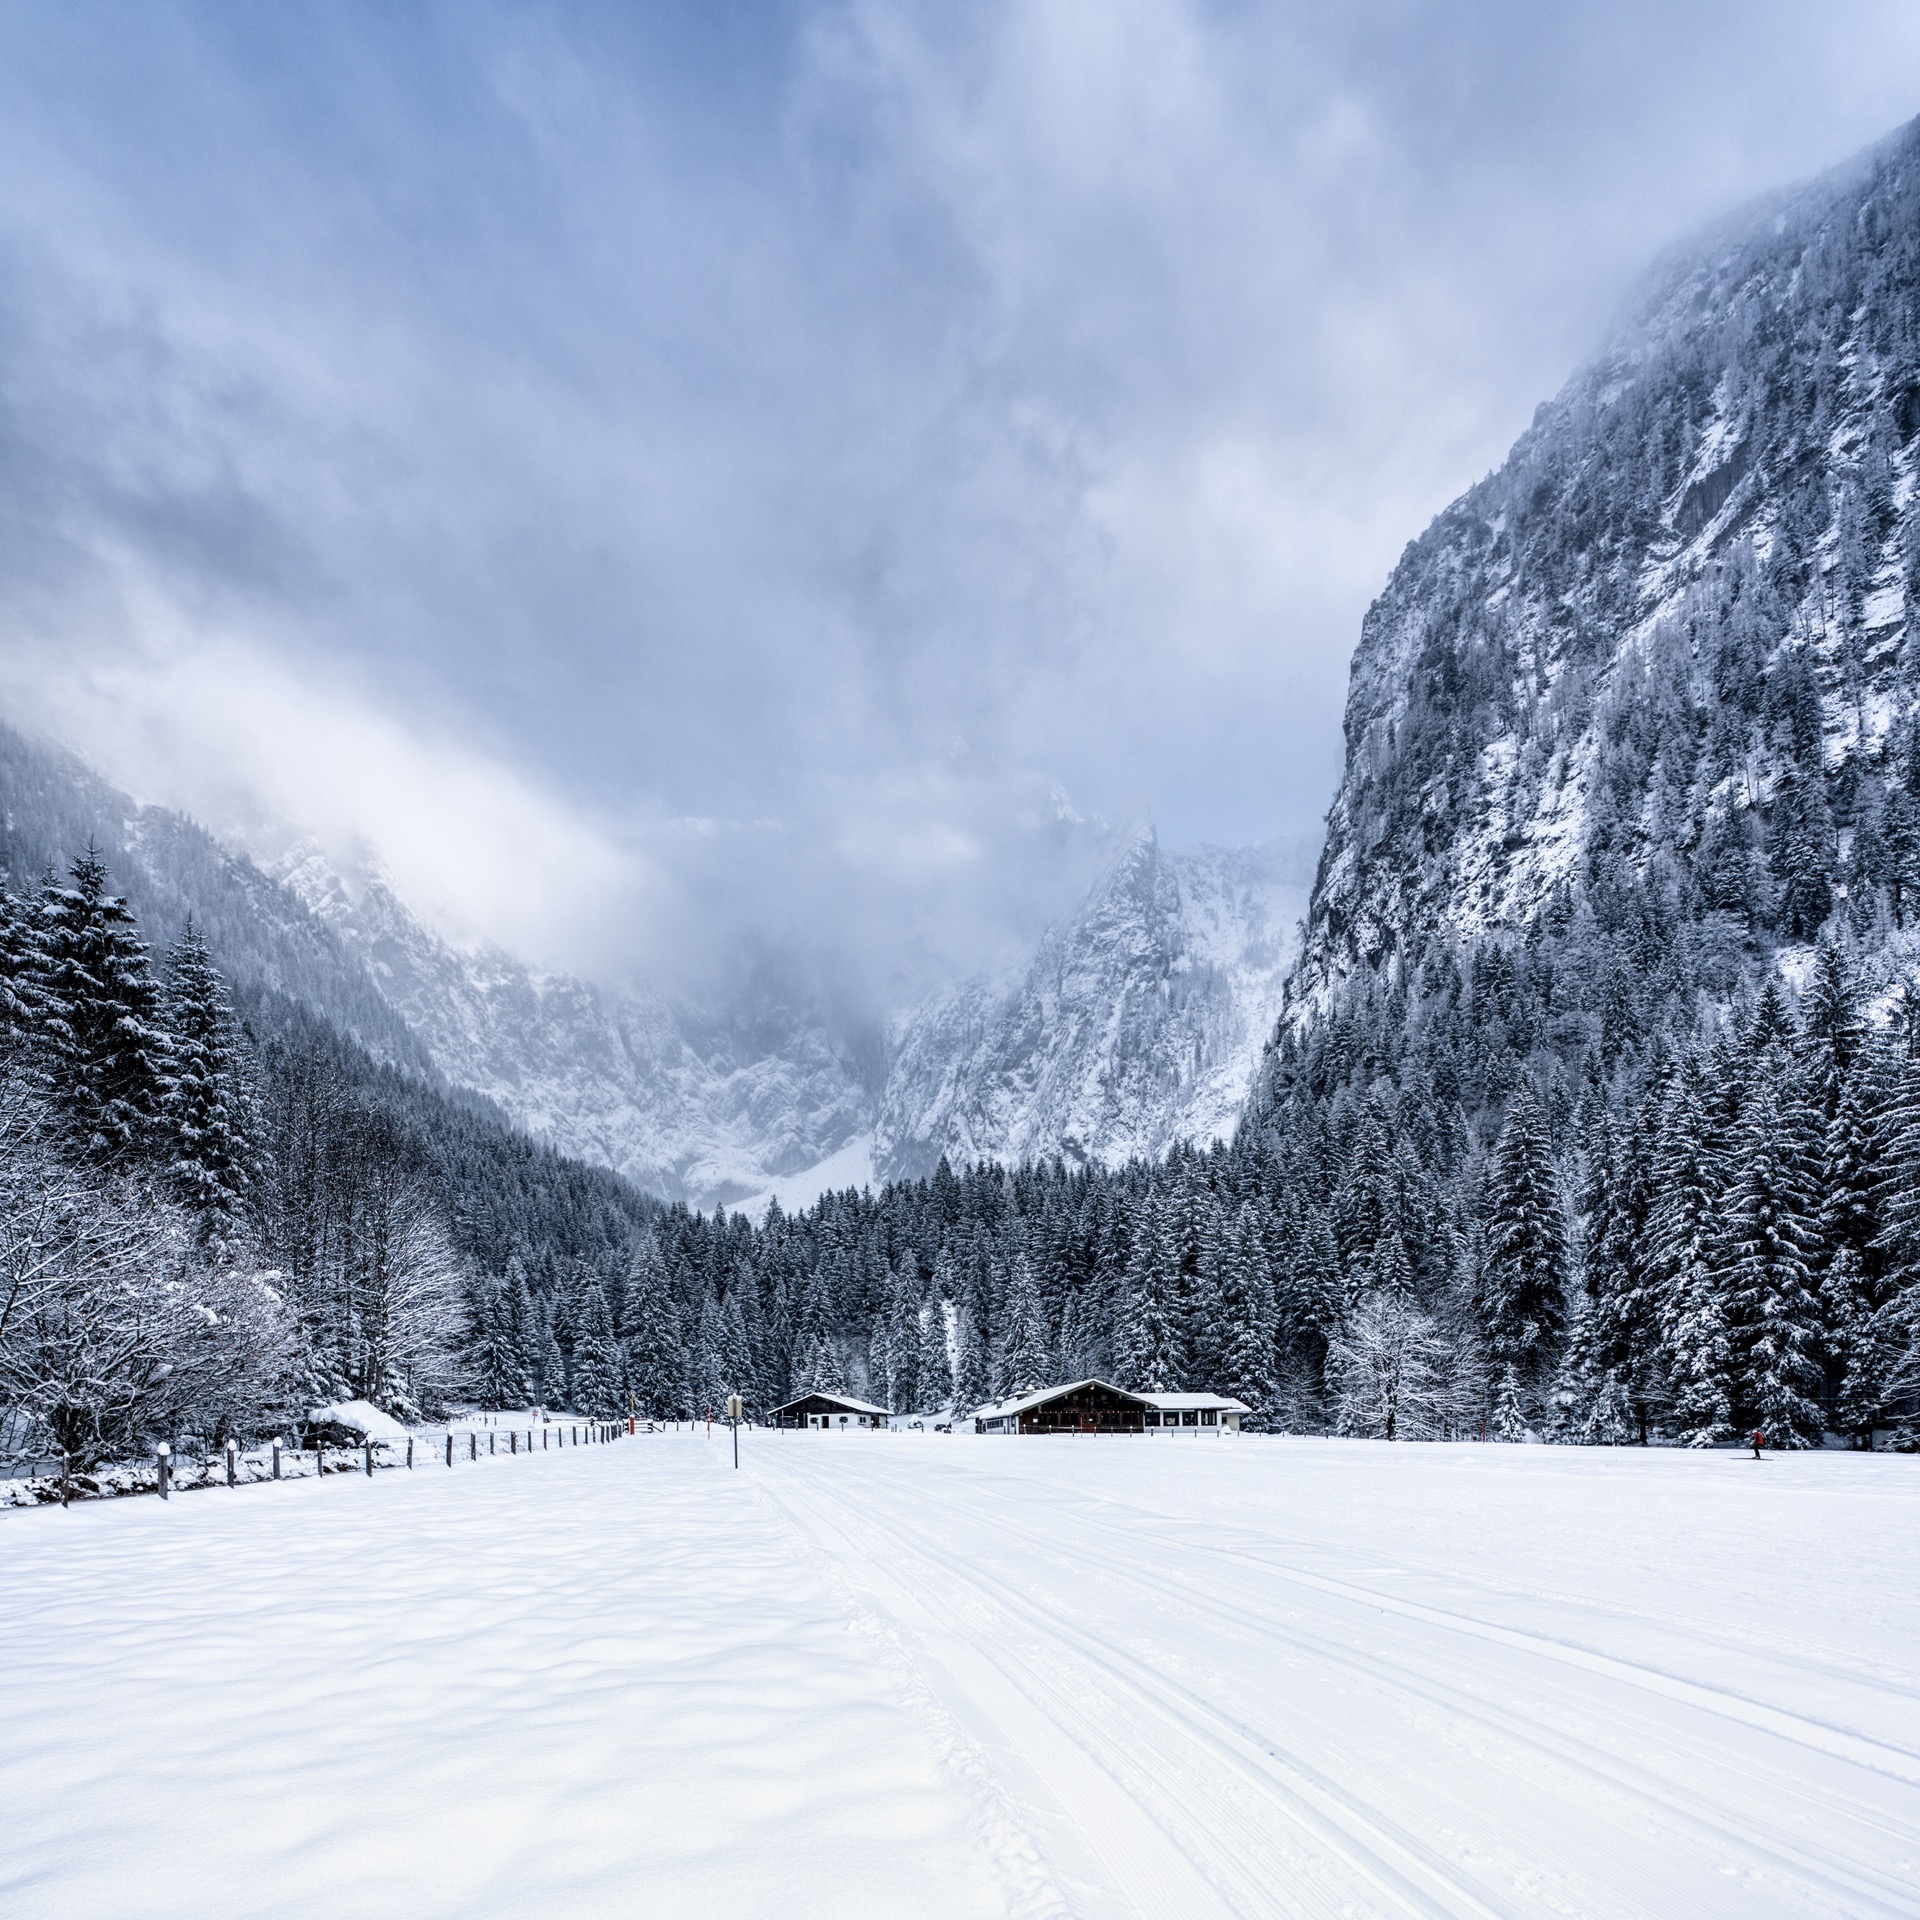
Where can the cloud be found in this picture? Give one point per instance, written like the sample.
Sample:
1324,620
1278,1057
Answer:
684,479
262,756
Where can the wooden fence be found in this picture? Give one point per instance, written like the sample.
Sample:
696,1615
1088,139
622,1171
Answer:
176,1468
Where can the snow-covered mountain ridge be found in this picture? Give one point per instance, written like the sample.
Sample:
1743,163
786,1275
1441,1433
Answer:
1138,1022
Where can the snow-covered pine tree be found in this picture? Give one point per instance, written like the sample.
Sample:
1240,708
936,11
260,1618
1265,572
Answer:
1834,1032
829,1371
1620,1356
1509,1406
1311,1289
525,1322
1147,1349
901,1336
1247,1321
1525,1277
550,1364
933,1373
1682,1232
1864,1347
1026,1360
496,1356
969,1362
206,1122
736,1350
712,1377
656,1359
1204,1309
1897,1191
103,1041
1765,1259
18,965
599,1377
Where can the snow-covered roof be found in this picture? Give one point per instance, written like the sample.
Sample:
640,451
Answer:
1165,1402
1041,1395
837,1399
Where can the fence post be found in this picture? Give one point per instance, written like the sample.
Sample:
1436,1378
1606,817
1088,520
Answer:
409,1453
276,1456
473,1446
367,1443
449,1446
492,1441
66,1476
163,1453
230,1462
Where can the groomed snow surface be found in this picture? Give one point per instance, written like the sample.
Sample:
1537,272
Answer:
912,1675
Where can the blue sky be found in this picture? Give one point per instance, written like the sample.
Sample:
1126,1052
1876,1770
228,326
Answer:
668,474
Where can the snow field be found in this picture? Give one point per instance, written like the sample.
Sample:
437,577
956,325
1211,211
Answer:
597,1681
1293,1677
884,1674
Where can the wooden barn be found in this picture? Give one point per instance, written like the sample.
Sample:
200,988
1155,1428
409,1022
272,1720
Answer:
1096,1406
827,1411
1081,1406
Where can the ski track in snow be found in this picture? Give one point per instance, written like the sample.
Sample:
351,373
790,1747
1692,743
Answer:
1215,1712
927,1674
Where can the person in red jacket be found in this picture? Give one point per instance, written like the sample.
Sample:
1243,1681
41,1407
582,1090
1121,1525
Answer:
1759,1440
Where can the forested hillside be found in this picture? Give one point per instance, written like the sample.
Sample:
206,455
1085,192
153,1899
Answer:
212,1219
1605,1020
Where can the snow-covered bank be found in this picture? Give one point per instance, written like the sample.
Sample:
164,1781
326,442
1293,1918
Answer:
911,1673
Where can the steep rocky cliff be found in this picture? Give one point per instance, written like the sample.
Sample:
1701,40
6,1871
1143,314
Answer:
1668,646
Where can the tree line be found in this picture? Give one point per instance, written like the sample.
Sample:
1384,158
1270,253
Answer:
1455,1208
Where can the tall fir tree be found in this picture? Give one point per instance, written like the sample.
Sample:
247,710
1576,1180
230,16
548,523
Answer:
970,1388
599,1376
103,1039
206,1123
933,1374
1026,1360
1147,1350
1526,1249
1682,1233
650,1328
1766,1257
1247,1321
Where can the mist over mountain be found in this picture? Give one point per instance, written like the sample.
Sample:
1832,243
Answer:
1138,1021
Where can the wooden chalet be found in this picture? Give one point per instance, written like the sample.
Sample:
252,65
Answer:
1096,1406
827,1411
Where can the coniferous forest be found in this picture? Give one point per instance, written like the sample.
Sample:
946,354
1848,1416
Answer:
214,1223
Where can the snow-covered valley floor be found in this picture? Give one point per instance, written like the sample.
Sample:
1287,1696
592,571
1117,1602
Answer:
928,1675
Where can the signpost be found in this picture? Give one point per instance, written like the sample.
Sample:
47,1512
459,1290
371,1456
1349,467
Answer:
736,1407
